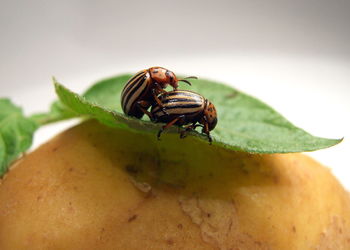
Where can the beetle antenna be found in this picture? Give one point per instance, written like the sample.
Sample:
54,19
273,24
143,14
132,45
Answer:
191,77
188,77
184,80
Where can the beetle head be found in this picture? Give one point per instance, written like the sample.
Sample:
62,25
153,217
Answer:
171,78
210,115
166,77
163,77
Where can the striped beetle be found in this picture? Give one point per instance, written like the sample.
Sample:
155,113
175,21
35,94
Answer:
141,90
184,108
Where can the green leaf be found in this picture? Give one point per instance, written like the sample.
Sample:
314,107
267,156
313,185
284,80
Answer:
16,133
245,123
107,92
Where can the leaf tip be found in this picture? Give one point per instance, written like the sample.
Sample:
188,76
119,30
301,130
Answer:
336,141
54,79
56,84
339,140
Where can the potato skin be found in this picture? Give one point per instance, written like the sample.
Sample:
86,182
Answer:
93,187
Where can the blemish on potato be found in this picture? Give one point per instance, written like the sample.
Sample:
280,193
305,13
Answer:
132,218
170,242
131,169
258,243
331,238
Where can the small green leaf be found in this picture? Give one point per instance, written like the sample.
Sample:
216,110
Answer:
16,133
245,123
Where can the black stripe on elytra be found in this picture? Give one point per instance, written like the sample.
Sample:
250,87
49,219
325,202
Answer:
163,114
135,76
126,93
183,106
174,99
131,82
130,94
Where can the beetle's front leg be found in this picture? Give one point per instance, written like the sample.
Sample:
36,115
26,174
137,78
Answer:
159,88
158,101
193,126
206,130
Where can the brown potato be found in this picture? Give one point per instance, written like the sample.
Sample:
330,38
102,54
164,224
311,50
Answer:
94,187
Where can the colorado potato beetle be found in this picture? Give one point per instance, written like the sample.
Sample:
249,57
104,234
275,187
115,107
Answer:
184,108
141,90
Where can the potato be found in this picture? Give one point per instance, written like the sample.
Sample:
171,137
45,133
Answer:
94,187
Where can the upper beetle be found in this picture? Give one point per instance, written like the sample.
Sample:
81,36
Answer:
141,90
184,107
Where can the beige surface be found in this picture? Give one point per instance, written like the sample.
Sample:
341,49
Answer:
92,187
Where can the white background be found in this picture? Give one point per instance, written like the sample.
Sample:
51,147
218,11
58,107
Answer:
294,55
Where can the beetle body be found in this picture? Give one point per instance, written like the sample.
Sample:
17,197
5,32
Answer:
141,90
185,108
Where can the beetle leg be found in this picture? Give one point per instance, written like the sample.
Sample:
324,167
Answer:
206,130
188,128
156,98
168,125
141,105
158,101
193,126
159,88
183,134
162,90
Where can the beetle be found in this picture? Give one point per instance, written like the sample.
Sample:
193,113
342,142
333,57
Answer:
184,107
141,90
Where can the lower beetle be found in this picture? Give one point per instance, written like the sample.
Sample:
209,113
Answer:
142,89
184,108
